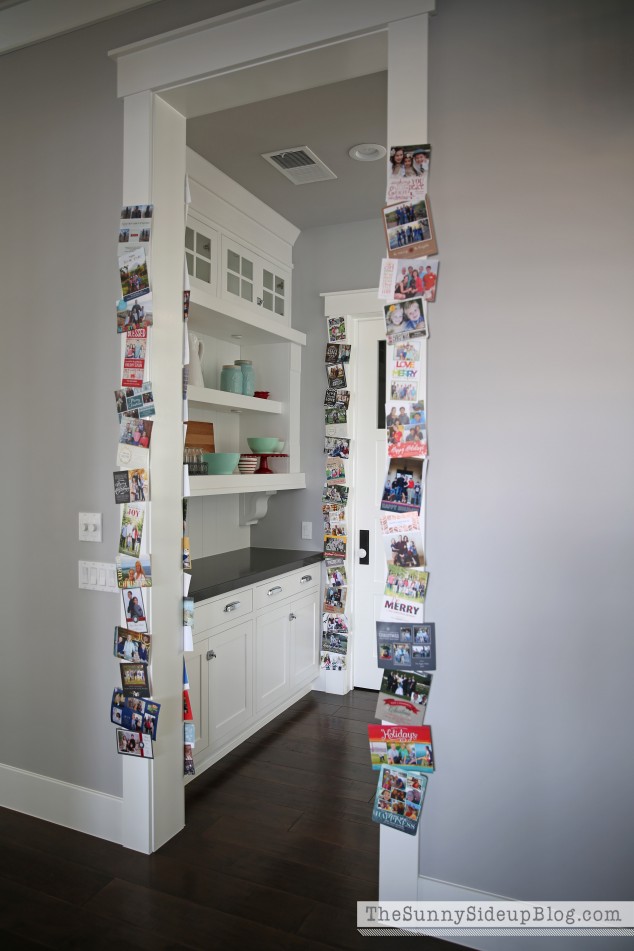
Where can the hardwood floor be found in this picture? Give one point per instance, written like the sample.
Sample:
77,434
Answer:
278,848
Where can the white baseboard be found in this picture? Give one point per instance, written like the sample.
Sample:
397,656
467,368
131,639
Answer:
432,889
75,807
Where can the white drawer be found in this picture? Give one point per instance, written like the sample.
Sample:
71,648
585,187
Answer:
221,610
287,586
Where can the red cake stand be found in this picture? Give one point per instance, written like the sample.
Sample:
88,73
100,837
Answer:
264,457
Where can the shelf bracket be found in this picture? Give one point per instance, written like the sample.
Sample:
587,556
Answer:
254,506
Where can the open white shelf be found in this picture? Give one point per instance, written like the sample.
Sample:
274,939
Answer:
232,484
219,399
226,320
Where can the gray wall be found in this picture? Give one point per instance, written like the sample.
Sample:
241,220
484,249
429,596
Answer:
60,192
337,258
531,392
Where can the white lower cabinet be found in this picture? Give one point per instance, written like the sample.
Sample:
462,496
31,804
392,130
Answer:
272,657
305,639
245,672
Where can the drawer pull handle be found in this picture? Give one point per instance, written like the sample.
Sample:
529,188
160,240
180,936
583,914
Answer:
232,606
274,590
305,578
292,617
211,655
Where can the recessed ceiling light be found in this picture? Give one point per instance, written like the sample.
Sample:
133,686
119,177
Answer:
367,152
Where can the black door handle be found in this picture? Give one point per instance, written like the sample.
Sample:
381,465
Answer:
364,546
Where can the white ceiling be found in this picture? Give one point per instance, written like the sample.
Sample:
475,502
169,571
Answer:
329,119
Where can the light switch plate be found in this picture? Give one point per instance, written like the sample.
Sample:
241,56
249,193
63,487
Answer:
98,576
90,526
307,529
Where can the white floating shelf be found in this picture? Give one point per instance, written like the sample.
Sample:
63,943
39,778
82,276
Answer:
220,399
226,320
233,484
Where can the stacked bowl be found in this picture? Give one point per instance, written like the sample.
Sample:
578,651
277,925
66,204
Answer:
247,463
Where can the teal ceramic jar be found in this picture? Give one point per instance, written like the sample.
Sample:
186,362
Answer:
231,378
248,376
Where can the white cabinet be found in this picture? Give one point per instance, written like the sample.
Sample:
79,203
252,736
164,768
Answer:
272,657
230,658
255,280
305,639
252,661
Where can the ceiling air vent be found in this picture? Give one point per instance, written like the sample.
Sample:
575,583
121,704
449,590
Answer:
299,164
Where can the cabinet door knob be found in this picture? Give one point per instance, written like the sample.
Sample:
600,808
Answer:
274,590
211,655
305,578
292,617
232,606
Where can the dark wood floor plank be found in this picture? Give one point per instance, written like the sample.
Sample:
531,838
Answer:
309,746
51,874
303,849
30,916
333,889
361,699
178,919
301,779
335,765
358,714
340,831
339,927
9,941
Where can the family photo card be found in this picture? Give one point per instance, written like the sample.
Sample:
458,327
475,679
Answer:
406,646
409,229
409,748
134,610
407,171
403,697
399,799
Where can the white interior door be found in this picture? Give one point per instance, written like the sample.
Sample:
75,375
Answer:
369,451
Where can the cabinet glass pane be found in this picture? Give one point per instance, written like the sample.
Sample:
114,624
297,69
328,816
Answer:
189,239
203,245
190,263
247,291
203,270
233,262
279,306
267,300
247,269
279,286
233,284
267,280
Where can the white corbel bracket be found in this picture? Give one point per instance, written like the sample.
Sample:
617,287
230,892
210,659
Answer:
254,506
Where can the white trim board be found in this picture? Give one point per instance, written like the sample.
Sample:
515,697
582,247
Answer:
218,46
433,889
75,807
32,21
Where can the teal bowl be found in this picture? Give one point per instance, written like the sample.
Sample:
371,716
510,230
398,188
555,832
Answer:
263,443
221,463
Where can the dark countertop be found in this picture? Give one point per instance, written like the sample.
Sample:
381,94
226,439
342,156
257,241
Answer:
218,574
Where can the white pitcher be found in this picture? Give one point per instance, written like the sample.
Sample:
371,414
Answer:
196,350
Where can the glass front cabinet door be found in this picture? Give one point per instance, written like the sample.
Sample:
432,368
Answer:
253,280
201,253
